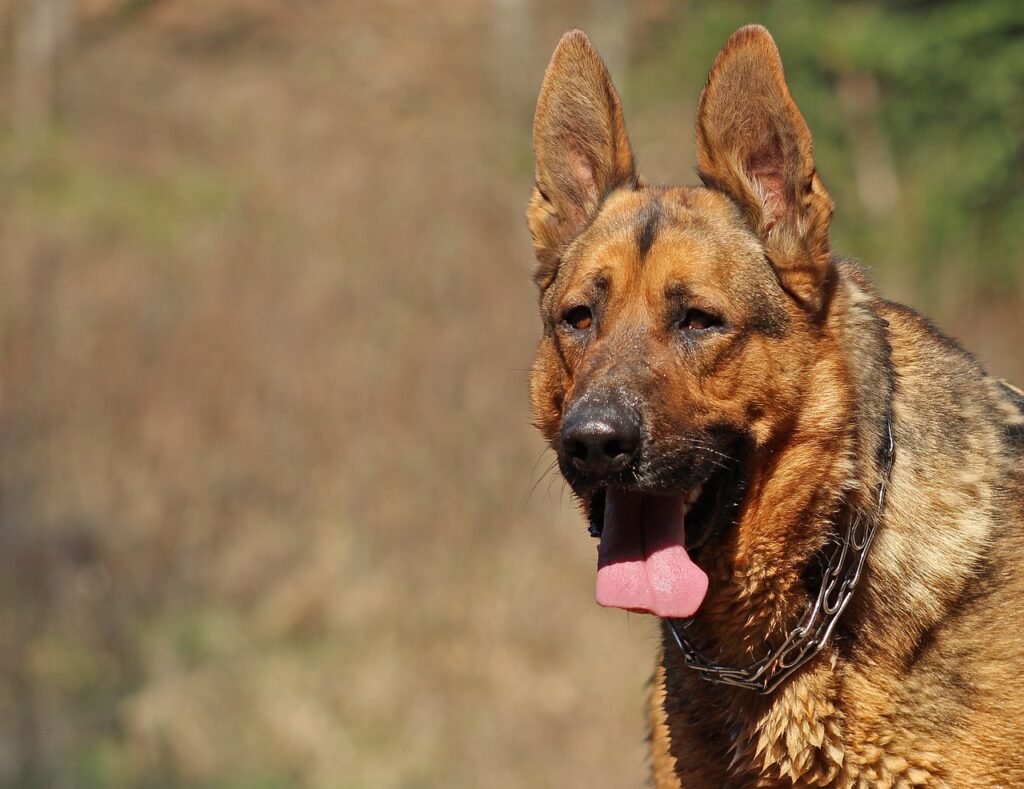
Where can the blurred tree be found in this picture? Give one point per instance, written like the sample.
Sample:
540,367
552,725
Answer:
918,114
42,30
952,80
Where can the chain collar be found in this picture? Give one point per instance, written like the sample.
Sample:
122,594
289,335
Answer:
819,620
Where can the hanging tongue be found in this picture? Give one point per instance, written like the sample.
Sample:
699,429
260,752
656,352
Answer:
642,564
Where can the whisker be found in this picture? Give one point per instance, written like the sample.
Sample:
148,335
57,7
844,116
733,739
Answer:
547,472
551,481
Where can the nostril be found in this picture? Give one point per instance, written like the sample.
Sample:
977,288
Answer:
613,449
577,449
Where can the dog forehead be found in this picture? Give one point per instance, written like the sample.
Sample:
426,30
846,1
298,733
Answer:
658,236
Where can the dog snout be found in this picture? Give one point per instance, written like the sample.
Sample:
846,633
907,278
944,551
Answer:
600,440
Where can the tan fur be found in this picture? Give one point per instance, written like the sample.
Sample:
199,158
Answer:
921,684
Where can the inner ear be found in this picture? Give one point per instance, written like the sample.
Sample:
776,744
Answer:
765,169
580,145
754,145
581,170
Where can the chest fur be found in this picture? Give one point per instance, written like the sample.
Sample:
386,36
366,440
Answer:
798,738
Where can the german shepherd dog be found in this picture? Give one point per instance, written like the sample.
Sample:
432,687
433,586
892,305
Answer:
820,495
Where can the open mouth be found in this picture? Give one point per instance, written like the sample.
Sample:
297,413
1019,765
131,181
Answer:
649,541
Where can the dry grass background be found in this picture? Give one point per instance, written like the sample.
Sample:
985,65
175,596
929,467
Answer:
272,511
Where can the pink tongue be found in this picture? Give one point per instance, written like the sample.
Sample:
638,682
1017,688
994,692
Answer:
642,564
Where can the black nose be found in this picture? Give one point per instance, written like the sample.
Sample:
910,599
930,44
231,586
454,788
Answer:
600,439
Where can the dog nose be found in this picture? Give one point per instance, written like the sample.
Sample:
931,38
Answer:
601,440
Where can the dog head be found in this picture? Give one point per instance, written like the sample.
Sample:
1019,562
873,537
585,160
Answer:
680,324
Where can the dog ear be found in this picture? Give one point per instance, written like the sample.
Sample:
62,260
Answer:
754,145
580,146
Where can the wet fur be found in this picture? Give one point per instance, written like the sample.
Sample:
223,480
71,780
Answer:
921,685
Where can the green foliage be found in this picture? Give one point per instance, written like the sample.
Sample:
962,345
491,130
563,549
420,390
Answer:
114,205
948,105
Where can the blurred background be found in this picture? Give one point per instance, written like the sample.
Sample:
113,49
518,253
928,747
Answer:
271,510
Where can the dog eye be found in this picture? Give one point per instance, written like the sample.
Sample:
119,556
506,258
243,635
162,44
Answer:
578,318
698,320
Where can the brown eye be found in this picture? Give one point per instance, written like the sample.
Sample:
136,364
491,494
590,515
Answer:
578,318
698,320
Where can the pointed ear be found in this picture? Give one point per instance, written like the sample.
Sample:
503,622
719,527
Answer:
580,146
754,145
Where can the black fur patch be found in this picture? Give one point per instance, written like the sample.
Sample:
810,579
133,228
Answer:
1014,431
1015,395
595,514
650,216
